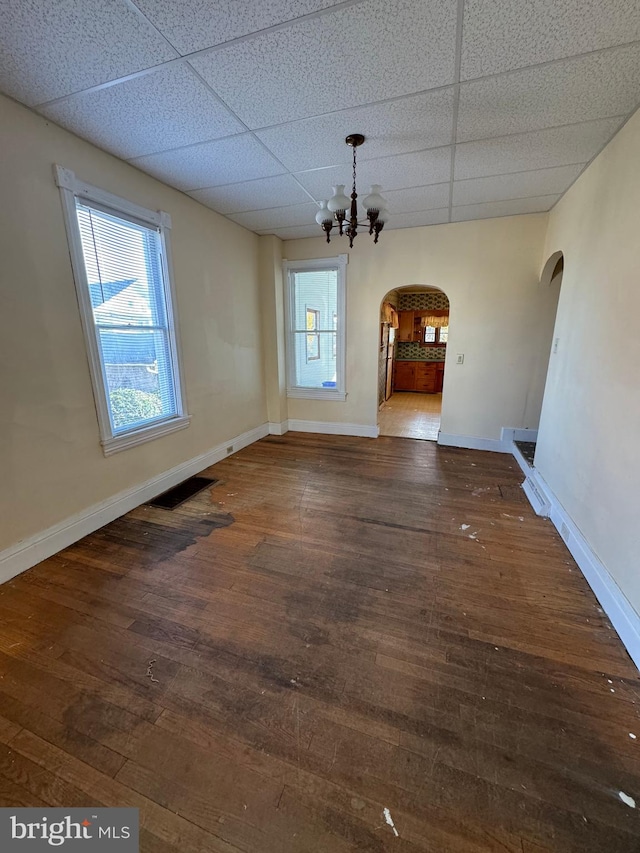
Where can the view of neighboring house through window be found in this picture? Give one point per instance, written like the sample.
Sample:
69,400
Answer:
315,342
128,320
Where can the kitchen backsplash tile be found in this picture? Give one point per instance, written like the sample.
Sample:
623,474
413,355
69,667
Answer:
412,351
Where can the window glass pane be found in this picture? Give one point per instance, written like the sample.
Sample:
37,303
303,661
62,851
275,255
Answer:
126,288
429,334
315,308
321,371
444,334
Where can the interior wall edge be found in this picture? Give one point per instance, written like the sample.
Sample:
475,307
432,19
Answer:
27,553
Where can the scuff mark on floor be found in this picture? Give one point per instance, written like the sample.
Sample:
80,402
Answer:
389,819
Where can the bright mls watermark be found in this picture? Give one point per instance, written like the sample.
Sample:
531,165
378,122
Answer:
79,830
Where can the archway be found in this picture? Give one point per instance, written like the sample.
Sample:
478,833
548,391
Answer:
414,331
550,284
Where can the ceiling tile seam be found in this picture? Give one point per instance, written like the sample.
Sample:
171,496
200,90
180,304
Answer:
519,172
456,100
198,53
140,14
598,153
382,102
505,200
371,159
539,129
535,65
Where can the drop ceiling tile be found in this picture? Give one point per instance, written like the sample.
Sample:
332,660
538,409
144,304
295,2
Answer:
277,217
252,195
409,124
588,87
298,232
366,52
210,164
50,49
417,199
192,25
561,146
406,170
499,36
503,208
415,220
156,112
515,185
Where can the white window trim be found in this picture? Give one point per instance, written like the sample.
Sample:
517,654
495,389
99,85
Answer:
339,263
71,188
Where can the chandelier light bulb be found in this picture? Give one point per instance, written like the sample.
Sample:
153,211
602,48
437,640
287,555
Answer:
339,201
324,214
374,200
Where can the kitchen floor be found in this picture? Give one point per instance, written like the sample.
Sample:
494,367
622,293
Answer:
410,414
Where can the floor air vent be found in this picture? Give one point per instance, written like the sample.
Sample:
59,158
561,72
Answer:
181,493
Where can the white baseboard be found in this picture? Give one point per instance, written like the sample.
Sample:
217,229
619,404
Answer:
472,442
33,550
278,428
622,615
509,434
333,428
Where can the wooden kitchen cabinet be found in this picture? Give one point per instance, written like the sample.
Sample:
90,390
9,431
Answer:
405,327
404,376
424,376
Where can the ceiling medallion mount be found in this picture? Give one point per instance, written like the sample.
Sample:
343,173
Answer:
335,210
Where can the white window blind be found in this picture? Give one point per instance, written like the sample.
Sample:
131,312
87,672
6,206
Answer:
121,270
316,329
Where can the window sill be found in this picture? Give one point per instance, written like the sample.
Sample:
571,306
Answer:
318,394
140,436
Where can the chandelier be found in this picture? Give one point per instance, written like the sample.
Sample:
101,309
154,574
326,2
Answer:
335,210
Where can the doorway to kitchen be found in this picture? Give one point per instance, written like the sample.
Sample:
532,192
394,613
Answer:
414,331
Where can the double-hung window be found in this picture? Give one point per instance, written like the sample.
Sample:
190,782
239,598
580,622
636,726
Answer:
119,253
315,302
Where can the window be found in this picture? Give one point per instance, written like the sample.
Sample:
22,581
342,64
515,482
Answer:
436,336
121,270
315,328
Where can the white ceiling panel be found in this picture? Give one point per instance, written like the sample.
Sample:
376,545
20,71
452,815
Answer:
210,164
297,232
191,25
395,127
155,112
499,36
405,170
252,195
515,185
588,87
415,220
49,49
503,208
368,52
417,198
562,146
278,217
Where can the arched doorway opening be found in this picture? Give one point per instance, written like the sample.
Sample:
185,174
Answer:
550,284
414,332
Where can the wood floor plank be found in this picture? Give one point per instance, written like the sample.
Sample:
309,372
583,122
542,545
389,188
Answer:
338,627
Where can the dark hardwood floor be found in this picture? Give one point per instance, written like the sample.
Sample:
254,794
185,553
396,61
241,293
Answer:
339,627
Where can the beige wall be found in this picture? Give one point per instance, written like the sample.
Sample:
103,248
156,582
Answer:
500,318
588,449
50,457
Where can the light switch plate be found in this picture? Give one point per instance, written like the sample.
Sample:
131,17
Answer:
460,358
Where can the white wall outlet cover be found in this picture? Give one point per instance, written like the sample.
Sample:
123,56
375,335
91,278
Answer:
460,358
